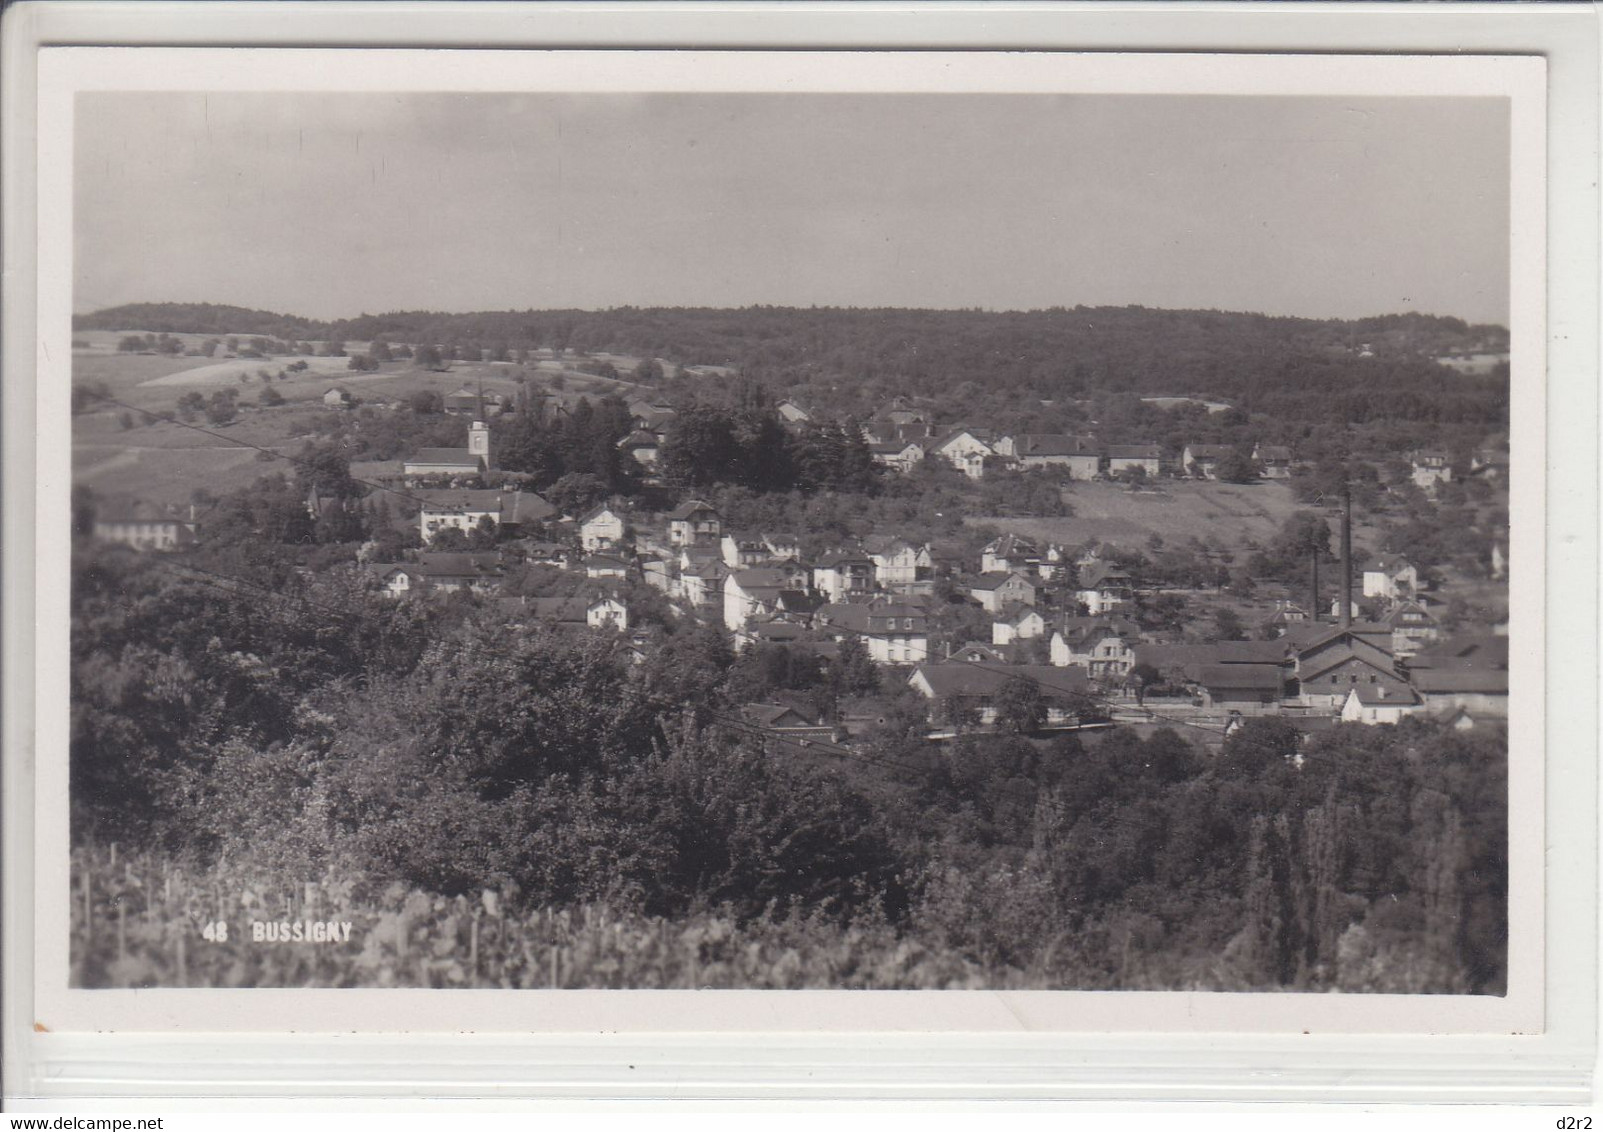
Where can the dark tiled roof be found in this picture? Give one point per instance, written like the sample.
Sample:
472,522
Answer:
981,678
1054,444
450,456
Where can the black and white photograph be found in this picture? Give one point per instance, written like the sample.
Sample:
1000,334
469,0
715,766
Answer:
796,539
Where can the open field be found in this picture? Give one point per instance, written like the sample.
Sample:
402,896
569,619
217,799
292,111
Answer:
165,475
1177,511
227,372
166,461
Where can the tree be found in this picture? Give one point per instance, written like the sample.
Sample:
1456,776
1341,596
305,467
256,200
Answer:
648,372
380,351
270,397
1236,467
1142,677
221,409
853,672
332,349
577,492
362,363
1020,706
426,402
1227,625
428,357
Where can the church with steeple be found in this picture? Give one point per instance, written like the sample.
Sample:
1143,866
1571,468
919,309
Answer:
470,461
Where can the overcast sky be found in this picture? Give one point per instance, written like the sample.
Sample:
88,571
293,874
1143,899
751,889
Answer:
331,205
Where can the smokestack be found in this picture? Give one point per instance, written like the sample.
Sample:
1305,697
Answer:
1346,555
1313,595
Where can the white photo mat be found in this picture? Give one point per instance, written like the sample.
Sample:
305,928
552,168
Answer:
1482,1025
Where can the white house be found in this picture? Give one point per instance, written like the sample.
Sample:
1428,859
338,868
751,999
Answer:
1430,468
1125,457
601,529
694,523
1105,650
607,613
966,449
464,509
898,455
752,593
841,573
1017,623
337,398
994,591
900,566
1274,459
143,528
1203,459
1080,456
1008,554
792,413
1104,588
1377,703
894,632
1390,576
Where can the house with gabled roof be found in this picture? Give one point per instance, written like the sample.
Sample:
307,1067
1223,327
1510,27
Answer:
1104,588
1203,459
1468,671
1326,673
694,522
447,572
1413,628
1274,459
608,566
974,686
839,574
601,528
1104,647
1127,457
603,612
978,651
793,412
144,526
1390,576
1009,554
1081,456
338,397
743,549
898,455
1249,689
966,449
894,631
1017,623
464,509
901,566
1430,467
752,594
701,582
642,446
993,591
1375,704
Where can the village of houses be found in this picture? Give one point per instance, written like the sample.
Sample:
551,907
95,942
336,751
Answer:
1061,619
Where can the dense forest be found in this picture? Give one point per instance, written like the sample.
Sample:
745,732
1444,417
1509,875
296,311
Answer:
1293,369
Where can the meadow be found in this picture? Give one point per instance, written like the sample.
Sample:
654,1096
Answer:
116,453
